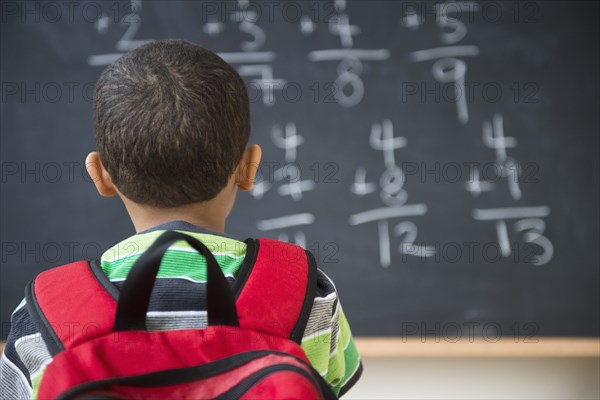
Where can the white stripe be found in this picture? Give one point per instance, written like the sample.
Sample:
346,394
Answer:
348,344
185,278
330,282
352,374
320,315
316,334
333,353
191,250
330,296
183,249
34,337
190,313
33,352
171,320
21,305
40,370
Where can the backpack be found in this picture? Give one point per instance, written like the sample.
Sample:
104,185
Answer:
249,350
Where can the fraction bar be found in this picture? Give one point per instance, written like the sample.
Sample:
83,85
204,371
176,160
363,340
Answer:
103,59
379,214
510,213
340,54
285,222
248,56
441,52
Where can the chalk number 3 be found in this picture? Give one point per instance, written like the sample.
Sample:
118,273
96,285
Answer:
533,230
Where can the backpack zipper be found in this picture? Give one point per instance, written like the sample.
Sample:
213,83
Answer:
245,385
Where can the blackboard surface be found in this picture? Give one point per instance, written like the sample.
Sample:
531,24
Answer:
441,161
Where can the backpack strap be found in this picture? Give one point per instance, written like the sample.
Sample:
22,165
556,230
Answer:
76,302
278,294
70,305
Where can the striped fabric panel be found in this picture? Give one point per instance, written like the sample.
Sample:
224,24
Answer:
229,253
175,263
14,376
327,340
32,352
13,383
335,330
337,360
21,326
176,294
178,302
36,377
322,308
165,320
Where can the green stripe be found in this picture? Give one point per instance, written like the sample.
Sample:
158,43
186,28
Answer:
137,243
338,368
35,383
337,364
317,351
175,263
351,361
181,260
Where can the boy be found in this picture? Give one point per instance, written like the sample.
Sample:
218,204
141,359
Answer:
172,124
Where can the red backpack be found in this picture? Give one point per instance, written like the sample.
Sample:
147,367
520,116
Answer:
249,350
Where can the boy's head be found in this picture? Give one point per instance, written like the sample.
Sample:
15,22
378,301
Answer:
171,123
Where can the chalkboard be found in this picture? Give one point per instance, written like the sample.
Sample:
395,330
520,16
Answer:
439,159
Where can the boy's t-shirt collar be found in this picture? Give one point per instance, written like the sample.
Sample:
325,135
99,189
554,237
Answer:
185,226
228,250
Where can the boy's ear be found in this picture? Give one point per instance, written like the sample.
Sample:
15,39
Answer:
99,175
248,166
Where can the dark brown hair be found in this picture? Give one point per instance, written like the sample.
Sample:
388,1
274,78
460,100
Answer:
171,122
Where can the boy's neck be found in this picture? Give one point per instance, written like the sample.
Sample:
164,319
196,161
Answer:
206,215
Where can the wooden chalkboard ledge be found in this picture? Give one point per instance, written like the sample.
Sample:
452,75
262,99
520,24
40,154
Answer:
478,347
